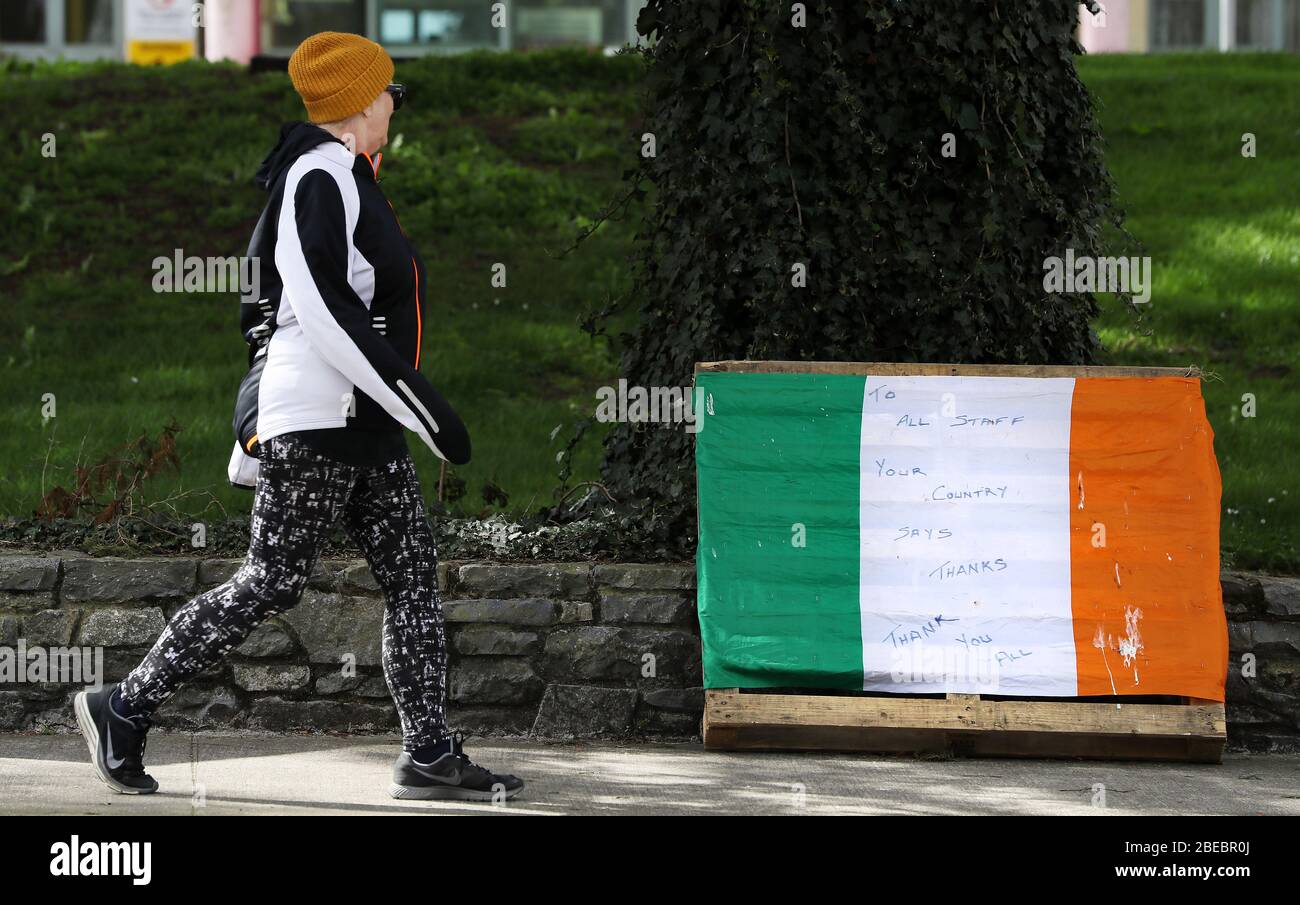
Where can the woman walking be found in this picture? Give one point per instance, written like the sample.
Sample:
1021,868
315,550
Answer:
335,337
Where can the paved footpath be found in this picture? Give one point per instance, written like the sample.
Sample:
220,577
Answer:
304,774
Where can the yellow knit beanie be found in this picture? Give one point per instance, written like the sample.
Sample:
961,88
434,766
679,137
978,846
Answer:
339,74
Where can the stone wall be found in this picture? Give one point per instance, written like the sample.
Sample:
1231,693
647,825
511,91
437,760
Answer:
1263,687
557,650
560,650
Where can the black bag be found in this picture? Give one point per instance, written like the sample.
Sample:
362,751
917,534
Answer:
258,337
245,421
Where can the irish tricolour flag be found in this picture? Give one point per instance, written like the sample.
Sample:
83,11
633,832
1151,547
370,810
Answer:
1010,535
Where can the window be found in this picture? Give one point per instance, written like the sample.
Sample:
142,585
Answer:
437,23
286,23
1291,27
22,21
552,23
1254,24
533,23
1177,24
88,22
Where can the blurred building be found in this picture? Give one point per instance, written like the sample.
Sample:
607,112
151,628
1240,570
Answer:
243,29
1141,26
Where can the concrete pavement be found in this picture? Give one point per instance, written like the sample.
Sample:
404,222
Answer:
303,774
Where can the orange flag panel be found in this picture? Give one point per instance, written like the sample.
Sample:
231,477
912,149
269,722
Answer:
1144,540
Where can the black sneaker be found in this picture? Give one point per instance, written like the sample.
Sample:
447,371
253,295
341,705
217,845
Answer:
116,743
452,776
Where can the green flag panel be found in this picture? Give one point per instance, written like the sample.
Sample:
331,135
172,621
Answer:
777,464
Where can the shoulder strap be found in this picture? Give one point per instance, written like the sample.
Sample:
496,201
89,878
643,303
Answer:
256,314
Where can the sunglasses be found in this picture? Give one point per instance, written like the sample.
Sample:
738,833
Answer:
399,94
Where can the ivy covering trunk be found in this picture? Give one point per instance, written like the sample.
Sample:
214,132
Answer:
872,181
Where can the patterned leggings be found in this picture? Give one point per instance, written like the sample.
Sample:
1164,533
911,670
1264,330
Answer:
300,496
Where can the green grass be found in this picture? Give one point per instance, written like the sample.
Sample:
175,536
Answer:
502,158
1223,234
492,160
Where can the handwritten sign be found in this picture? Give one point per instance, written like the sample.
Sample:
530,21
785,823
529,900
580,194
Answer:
962,530
919,533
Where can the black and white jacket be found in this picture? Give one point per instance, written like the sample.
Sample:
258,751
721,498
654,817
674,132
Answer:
340,311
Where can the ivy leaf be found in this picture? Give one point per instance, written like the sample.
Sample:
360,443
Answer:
969,118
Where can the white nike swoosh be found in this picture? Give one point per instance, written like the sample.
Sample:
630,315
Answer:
109,760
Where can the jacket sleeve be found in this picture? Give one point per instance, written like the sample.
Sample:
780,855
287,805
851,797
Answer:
312,255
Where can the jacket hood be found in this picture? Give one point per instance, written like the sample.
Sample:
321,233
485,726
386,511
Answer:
296,139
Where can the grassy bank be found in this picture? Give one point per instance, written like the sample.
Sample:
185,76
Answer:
1223,234
493,160
503,159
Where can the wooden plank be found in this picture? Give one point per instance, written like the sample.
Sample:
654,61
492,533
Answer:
886,740
967,712
709,727
964,724
898,369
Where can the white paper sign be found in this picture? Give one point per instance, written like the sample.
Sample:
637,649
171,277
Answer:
965,529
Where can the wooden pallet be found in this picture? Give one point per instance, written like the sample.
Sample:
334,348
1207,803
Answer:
1117,728
1186,729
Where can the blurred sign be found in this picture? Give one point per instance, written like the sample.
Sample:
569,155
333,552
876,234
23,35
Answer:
160,31
559,26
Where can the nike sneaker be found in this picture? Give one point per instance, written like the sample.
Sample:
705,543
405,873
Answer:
116,742
453,776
